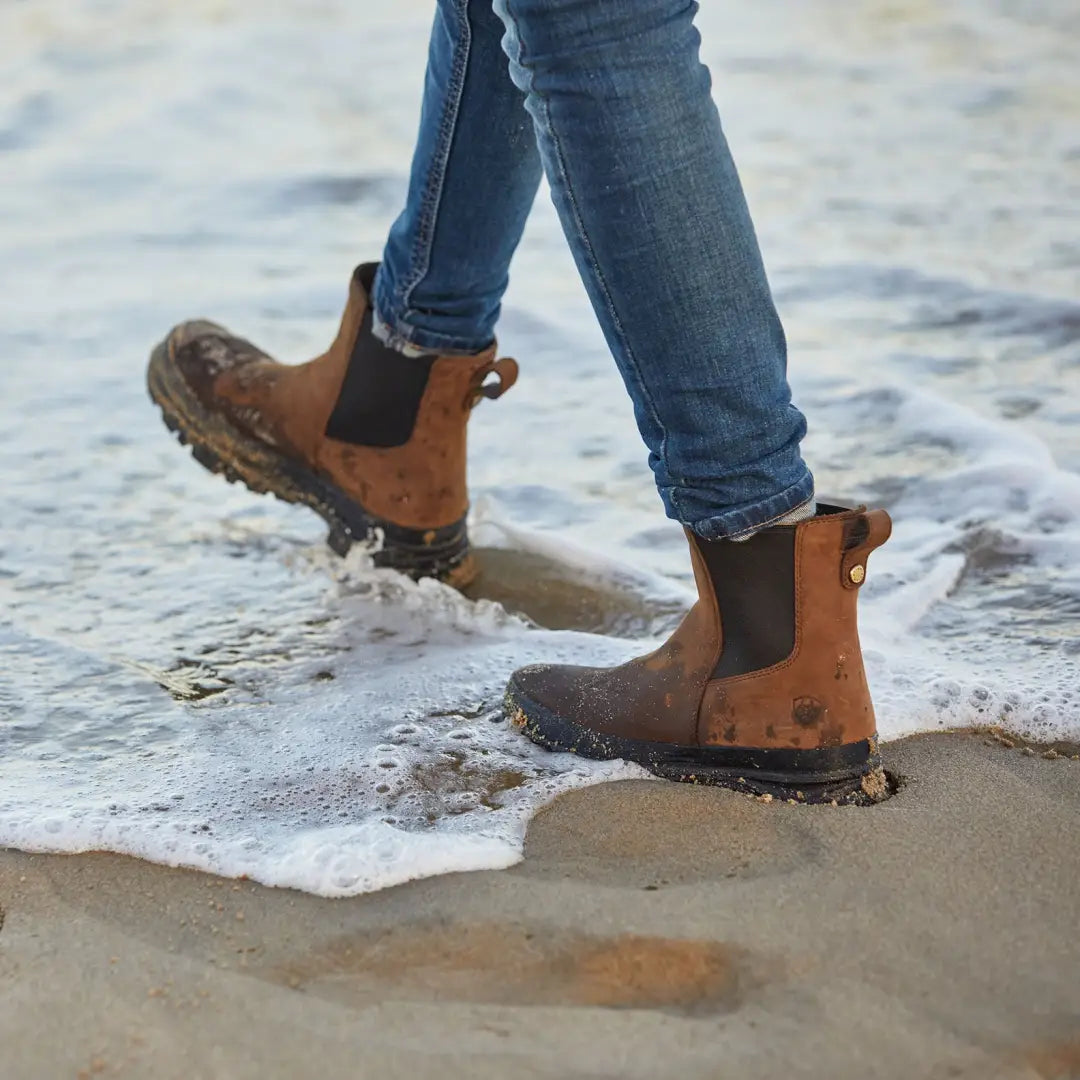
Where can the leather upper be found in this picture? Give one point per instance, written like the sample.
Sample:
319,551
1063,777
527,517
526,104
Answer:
815,697
419,485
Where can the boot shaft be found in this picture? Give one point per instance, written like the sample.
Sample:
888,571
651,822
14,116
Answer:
789,671
396,435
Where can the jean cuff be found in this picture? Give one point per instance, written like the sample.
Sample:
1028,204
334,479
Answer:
754,516
393,329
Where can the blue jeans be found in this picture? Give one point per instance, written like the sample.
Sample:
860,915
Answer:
611,100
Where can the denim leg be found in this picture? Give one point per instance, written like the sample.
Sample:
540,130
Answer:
653,209
474,177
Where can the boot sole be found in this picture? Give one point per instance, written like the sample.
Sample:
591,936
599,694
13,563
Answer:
224,449
850,774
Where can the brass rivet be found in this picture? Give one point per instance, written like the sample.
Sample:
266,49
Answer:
857,573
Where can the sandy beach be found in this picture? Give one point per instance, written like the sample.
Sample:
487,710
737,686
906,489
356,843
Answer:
652,930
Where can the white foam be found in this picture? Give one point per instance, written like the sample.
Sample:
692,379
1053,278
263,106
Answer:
398,766
1008,495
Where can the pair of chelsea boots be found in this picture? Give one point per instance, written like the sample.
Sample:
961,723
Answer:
761,688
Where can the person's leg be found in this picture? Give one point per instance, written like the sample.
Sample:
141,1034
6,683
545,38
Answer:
475,173
653,209
762,687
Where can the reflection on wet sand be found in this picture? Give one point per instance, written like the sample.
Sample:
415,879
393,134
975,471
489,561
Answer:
559,596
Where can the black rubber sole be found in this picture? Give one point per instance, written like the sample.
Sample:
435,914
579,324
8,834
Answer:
224,449
850,774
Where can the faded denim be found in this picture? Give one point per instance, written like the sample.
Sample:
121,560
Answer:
613,95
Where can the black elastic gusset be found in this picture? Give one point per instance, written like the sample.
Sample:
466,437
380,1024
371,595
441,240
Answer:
380,394
754,582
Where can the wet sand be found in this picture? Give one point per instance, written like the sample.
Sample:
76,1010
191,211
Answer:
653,930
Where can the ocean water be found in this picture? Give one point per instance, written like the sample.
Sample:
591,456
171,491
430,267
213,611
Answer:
188,675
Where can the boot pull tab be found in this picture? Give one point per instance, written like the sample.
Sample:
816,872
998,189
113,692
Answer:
861,536
507,372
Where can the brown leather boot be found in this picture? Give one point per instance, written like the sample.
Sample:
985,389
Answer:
372,440
761,688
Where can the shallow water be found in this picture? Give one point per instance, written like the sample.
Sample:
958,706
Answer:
188,675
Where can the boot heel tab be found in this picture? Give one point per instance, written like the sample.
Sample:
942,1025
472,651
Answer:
505,371
862,535
364,276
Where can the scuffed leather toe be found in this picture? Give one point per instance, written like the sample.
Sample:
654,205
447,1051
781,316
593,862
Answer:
605,700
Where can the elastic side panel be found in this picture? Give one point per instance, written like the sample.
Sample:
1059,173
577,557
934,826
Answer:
754,582
380,394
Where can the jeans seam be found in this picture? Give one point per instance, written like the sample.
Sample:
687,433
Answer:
432,197
580,224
